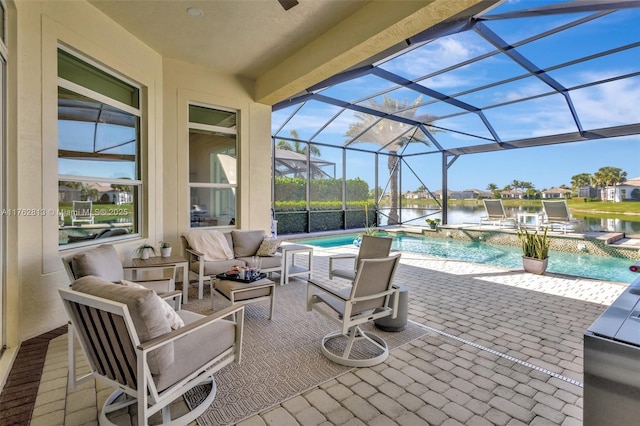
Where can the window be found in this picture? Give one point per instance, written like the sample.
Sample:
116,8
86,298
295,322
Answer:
98,153
212,166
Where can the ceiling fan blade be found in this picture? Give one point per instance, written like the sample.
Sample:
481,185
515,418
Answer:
288,4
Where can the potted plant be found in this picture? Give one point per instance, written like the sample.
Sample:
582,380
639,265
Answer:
144,251
535,251
165,249
433,223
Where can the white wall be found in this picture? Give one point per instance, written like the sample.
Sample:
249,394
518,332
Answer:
167,87
184,83
40,27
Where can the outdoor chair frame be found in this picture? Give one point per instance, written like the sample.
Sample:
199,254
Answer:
368,299
165,288
82,212
496,214
117,357
556,213
371,247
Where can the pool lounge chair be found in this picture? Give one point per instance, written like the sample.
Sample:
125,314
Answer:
82,212
556,213
496,215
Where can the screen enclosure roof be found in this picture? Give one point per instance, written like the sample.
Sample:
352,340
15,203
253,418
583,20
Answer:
513,76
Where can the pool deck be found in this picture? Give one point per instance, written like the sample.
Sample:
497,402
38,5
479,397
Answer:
613,238
503,348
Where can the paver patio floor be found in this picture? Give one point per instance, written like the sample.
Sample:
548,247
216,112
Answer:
504,348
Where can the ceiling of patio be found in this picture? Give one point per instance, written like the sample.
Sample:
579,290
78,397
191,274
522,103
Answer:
244,38
510,77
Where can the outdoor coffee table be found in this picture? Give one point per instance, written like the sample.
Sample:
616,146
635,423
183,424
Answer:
243,293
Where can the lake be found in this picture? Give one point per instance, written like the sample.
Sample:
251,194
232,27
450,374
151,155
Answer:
415,215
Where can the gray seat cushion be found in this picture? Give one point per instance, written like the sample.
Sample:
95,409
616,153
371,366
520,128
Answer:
196,349
271,262
102,261
246,243
146,313
244,291
215,267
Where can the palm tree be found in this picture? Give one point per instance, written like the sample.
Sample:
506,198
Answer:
494,190
391,135
516,184
298,147
609,176
580,180
301,148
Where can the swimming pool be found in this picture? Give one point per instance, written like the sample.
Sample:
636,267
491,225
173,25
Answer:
581,265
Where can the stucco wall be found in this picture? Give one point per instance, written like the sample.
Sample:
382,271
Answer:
167,88
184,83
40,27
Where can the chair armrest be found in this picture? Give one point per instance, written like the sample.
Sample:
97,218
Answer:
343,256
340,257
331,291
174,298
377,295
203,322
194,252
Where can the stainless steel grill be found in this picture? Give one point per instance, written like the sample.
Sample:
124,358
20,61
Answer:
612,363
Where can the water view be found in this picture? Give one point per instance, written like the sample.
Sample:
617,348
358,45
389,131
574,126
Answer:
415,215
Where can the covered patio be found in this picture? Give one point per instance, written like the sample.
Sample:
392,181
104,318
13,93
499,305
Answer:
501,347
497,346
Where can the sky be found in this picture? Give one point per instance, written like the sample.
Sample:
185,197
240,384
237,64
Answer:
610,103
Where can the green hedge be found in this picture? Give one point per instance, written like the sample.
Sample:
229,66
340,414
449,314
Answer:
294,189
296,220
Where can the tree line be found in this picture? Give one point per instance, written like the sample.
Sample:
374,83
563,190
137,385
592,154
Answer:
605,176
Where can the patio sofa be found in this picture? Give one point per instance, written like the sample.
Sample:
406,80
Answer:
212,252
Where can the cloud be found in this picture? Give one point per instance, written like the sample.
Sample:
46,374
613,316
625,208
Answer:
609,104
437,54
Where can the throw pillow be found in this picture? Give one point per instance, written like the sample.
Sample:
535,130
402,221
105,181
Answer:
246,243
268,247
102,261
146,313
172,316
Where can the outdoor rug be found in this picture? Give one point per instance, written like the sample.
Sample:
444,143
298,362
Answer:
281,358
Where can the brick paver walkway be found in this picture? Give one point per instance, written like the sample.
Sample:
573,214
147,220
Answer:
504,348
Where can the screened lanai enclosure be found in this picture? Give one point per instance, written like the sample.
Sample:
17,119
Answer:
522,74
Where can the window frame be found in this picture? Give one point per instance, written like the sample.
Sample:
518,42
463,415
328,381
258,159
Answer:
217,129
138,182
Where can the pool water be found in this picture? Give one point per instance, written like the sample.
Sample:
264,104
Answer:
581,265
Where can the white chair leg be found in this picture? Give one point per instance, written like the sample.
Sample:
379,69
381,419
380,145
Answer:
355,334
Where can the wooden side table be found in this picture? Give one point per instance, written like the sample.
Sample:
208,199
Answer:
177,261
289,267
